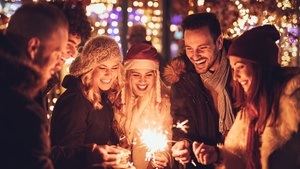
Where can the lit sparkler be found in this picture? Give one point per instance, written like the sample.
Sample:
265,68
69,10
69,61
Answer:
182,125
155,140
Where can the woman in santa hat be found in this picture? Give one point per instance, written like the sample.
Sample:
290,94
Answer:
144,103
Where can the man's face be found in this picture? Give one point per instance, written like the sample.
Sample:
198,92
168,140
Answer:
50,52
201,49
70,51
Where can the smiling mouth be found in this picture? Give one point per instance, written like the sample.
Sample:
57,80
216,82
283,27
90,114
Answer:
243,83
199,62
106,81
142,87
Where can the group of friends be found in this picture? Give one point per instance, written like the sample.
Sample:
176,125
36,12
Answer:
239,109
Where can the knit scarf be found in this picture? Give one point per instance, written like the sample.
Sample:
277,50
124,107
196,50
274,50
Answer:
218,81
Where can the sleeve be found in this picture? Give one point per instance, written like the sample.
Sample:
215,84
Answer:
68,123
74,157
181,111
34,142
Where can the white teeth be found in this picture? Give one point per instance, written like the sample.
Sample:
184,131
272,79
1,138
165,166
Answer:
105,81
200,61
142,86
243,82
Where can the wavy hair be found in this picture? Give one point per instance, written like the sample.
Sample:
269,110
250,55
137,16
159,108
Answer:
92,92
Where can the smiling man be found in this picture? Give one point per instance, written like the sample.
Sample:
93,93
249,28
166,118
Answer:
200,90
35,39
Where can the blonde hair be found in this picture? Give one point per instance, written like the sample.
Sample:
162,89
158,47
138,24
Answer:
92,92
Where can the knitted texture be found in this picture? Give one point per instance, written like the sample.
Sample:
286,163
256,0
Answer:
257,45
95,51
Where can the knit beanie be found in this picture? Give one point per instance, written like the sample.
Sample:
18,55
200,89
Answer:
95,51
257,45
143,56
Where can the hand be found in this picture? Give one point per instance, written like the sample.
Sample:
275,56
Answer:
160,160
105,155
205,154
181,151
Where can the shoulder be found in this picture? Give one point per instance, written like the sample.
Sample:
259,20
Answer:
292,86
174,69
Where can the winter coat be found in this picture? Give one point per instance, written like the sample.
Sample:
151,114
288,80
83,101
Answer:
24,126
75,123
280,144
191,101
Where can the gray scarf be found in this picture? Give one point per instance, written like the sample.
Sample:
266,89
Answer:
218,80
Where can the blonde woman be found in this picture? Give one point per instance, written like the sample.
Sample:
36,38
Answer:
144,101
83,114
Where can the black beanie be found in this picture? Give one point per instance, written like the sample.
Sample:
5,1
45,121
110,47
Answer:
257,45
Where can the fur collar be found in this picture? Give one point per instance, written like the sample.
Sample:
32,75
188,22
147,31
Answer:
174,70
287,122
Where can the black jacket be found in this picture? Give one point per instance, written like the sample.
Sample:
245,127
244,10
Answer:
75,123
24,126
191,101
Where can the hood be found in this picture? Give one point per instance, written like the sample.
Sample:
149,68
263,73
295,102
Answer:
176,68
70,81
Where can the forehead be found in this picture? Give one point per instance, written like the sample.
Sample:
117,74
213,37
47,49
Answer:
110,62
197,36
235,60
74,39
142,71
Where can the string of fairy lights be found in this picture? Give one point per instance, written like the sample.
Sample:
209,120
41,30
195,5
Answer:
236,16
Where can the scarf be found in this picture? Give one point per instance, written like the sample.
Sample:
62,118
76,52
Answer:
218,81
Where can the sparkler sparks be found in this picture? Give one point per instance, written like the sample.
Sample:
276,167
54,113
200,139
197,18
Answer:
155,140
182,125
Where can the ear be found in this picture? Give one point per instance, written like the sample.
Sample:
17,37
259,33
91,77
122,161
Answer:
33,47
219,42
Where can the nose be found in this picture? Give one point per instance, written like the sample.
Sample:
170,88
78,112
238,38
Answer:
108,72
142,79
235,75
195,54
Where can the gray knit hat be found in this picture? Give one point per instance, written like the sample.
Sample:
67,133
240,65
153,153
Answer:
95,51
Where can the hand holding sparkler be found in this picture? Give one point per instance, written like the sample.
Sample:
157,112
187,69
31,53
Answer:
205,154
181,151
160,160
105,155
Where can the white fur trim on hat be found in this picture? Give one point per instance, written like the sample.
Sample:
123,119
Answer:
141,64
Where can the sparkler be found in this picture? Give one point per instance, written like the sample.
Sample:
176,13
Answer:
155,140
182,125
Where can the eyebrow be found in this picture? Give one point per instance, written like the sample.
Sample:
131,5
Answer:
106,66
151,71
238,62
72,41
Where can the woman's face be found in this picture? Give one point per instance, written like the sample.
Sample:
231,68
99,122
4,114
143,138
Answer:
106,73
142,81
242,71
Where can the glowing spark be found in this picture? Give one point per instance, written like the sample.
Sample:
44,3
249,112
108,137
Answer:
182,125
155,140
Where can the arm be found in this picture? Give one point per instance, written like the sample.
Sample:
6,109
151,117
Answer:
68,123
